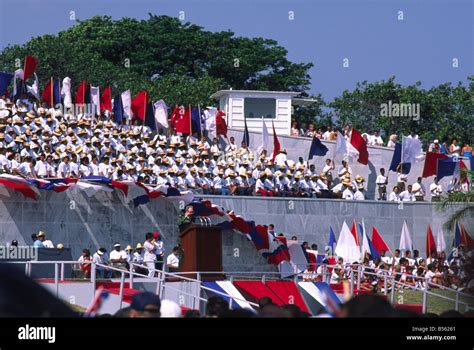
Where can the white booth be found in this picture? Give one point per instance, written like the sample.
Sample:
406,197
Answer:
252,105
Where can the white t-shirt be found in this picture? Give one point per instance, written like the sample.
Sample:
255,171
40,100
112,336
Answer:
172,260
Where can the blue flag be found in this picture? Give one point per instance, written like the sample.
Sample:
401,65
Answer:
446,167
196,120
317,148
397,158
150,117
118,109
5,80
246,138
332,239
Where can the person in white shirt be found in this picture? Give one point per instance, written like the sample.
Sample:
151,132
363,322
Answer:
149,257
382,182
118,257
172,261
41,167
375,139
394,195
100,257
64,168
436,190
408,195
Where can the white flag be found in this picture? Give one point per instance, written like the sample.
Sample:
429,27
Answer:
95,99
161,114
210,121
127,104
34,89
66,92
264,145
405,239
18,75
341,145
411,150
440,243
347,247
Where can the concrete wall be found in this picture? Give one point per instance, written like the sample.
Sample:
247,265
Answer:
379,157
81,222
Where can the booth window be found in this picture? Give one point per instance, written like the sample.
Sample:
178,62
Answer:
258,107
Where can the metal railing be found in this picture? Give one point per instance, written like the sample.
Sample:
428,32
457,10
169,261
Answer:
355,274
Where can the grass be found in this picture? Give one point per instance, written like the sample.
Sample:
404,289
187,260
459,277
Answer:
435,304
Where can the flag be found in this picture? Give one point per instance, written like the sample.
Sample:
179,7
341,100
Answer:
466,238
29,67
358,144
354,232
246,138
430,242
95,99
196,120
397,159
51,94
405,238
34,89
440,242
83,93
276,143
127,104
411,150
341,145
118,110
161,114
17,75
332,240
66,92
5,80
221,126
347,247
210,121
139,105
180,119
368,247
265,137
150,117
106,100
446,167
378,241
431,163
317,148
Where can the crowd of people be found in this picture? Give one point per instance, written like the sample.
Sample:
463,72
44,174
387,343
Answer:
399,270
45,143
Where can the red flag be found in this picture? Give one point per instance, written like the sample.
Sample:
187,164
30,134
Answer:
82,92
378,241
106,100
276,143
354,232
358,142
181,119
139,105
29,67
47,95
430,243
221,126
431,161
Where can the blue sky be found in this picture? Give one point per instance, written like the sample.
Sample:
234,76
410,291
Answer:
421,47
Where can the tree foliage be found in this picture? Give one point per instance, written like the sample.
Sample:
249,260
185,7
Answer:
179,62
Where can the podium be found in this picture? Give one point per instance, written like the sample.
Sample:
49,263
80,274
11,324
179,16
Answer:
202,251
